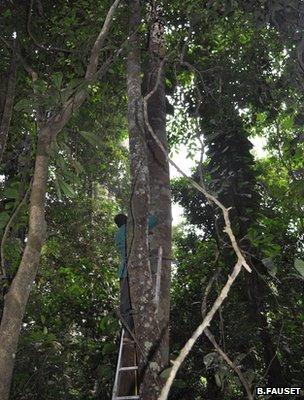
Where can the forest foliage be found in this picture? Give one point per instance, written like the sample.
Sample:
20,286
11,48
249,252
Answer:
233,72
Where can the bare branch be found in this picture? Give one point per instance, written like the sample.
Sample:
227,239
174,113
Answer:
199,330
92,72
231,364
93,62
210,336
276,352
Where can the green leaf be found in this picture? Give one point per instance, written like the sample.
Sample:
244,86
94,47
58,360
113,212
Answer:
165,373
4,217
103,323
7,13
57,188
218,380
105,371
299,266
77,166
11,193
40,86
93,139
24,105
67,190
108,348
287,122
57,79
270,265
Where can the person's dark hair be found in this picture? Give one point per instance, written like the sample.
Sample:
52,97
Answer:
120,220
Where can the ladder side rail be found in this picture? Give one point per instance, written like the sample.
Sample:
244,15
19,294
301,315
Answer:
115,388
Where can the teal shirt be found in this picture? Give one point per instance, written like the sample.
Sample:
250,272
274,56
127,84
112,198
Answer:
120,239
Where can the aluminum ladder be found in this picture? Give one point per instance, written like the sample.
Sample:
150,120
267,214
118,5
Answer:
121,369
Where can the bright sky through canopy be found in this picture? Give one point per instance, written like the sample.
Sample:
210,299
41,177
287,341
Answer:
180,158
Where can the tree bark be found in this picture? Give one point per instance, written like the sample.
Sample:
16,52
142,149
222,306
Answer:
8,105
140,279
160,193
17,297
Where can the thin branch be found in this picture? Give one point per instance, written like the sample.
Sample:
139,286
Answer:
212,339
231,364
199,330
208,288
92,73
276,352
93,62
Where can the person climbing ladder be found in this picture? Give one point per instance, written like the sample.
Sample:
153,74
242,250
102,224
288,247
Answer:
121,242
126,378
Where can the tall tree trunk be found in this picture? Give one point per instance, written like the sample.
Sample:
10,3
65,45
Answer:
16,299
8,104
140,278
160,193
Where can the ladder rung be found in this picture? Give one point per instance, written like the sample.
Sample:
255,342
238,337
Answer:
128,368
127,398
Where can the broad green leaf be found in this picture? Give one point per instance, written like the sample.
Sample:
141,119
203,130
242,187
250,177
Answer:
299,266
104,322
40,86
7,13
108,348
287,122
218,380
9,206
57,188
77,166
66,189
165,373
270,265
105,371
57,79
24,105
93,139
11,193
